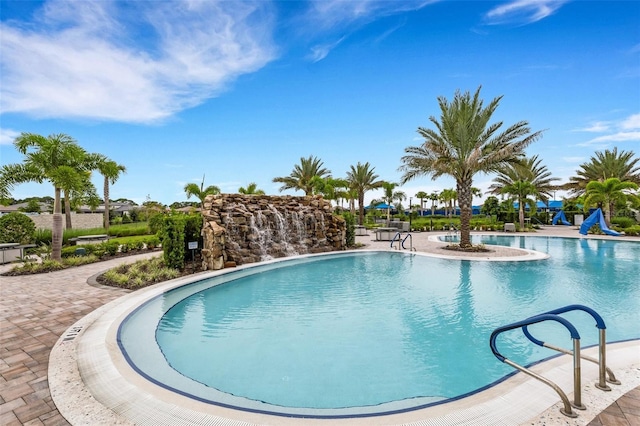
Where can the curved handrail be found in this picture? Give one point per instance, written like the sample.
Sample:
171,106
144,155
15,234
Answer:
602,342
529,321
410,240
393,240
566,410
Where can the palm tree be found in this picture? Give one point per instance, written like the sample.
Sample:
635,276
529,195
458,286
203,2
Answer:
434,196
421,195
111,171
463,144
605,165
251,189
200,191
608,193
522,180
49,159
362,178
330,188
390,196
447,196
301,178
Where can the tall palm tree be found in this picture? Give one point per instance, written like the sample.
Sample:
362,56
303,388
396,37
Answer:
434,196
390,196
447,196
421,195
49,159
529,178
608,193
362,178
200,191
110,171
301,178
463,144
604,165
251,189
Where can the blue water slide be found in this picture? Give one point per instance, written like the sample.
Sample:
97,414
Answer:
560,217
597,218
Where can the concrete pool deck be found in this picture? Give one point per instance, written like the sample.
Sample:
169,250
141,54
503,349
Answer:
36,310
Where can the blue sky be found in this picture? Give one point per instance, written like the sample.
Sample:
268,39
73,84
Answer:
240,91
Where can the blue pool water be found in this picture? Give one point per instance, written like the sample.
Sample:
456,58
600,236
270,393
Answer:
368,332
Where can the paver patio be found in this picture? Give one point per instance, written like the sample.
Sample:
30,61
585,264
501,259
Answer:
34,311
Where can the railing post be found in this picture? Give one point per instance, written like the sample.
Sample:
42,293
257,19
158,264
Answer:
577,377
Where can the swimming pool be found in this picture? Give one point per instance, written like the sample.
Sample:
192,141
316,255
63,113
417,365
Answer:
423,333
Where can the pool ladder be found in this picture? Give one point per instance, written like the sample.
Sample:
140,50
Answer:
401,241
604,373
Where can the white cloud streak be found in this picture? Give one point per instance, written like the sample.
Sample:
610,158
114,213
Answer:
327,14
626,130
319,52
345,16
522,12
7,136
632,122
144,64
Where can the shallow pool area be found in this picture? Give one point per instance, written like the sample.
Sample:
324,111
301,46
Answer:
371,333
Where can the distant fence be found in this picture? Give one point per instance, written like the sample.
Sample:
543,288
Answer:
78,221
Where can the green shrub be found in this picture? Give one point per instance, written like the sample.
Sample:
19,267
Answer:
623,222
17,228
110,247
350,221
140,274
152,242
632,230
156,223
70,251
173,240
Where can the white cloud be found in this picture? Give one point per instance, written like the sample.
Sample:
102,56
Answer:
631,122
615,137
328,14
343,17
79,59
597,127
7,136
319,52
523,11
625,130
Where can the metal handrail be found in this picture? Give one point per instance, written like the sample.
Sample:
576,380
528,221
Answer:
393,240
603,370
575,336
410,237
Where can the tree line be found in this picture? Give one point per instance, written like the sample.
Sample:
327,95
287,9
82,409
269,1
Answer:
461,143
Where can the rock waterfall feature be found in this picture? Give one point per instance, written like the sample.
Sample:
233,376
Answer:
242,229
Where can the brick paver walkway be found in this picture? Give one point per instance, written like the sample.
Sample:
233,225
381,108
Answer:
34,311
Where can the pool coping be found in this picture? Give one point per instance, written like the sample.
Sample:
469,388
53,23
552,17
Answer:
92,383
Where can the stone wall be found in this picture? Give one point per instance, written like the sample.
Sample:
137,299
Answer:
78,221
241,229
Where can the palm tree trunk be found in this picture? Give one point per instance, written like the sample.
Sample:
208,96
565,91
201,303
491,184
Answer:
465,199
609,213
67,210
521,214
57,230
106,203
361,209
